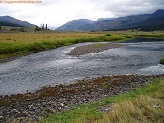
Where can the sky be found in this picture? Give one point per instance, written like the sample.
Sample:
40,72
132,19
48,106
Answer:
57,12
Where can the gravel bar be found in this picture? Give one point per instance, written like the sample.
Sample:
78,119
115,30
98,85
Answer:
93,48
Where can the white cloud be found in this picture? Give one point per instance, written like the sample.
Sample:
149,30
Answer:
58,12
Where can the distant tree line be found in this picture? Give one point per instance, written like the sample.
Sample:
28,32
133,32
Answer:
18,29
21,29
42,27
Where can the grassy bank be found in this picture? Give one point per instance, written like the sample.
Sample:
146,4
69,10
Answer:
142,105
18,44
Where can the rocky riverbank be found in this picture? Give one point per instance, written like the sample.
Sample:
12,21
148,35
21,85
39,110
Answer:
31,107
93,48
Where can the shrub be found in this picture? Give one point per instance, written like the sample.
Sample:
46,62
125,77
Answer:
162,60
108,35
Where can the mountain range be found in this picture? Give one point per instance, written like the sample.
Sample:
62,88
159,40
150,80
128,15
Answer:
145,22
12,22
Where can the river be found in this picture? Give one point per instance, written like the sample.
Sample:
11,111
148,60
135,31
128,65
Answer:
30,73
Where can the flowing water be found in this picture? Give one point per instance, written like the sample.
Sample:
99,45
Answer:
54,67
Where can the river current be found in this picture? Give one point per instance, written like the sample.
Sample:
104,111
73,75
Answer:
55,67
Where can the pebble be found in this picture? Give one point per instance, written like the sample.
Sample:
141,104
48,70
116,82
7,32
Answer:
1,118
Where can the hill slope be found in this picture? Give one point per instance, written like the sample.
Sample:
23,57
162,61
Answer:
75,24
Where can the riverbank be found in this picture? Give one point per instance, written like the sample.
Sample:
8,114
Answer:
31,107
144,104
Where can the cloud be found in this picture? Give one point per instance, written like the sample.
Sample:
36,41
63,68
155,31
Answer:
132,7
58,12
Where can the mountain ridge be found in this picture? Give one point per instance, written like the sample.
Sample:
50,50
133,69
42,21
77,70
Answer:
13,22
121,23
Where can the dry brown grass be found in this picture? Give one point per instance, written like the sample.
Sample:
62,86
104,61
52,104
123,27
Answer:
30,37
145,109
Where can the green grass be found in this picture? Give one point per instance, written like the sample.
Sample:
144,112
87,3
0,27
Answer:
147,89
88,112
79,113
34,46
162,61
